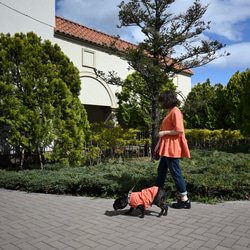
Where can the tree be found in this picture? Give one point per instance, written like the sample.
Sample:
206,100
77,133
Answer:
243,115
134,110
203,107
232,98
172,44
39,89
218,107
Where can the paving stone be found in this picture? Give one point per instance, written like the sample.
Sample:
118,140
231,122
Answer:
163,246
56,245
41,246
180,244
10,247
26,246
131,246
31,221
212,243
115,247
195,244
243,241
237,247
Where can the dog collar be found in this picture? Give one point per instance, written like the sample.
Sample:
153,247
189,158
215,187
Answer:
129,193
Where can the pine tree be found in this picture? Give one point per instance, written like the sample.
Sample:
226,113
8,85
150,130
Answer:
172,43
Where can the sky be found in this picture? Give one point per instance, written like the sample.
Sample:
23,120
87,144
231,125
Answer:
230,25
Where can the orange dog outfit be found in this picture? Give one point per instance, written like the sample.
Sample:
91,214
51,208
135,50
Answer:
145,197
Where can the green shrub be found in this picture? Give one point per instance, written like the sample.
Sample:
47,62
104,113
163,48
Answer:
229,140
108,141
210,175
214,174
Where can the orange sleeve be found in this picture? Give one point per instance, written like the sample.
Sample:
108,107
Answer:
177,120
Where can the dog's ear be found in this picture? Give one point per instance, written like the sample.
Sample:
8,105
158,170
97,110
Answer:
118,196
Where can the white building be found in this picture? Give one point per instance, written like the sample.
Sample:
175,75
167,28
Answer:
28,15
82,45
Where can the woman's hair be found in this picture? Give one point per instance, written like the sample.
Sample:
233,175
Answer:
168,99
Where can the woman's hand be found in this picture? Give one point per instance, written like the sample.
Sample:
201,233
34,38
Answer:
157,147
162,133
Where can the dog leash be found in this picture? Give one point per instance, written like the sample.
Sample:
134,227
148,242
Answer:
131,190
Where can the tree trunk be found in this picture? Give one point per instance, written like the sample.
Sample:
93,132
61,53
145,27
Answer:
155,123
40,157
22,159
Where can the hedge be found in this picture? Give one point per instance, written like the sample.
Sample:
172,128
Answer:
221,138
210,175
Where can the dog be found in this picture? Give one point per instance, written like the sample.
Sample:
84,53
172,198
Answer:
142,200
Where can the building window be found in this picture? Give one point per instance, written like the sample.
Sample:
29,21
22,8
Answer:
88,58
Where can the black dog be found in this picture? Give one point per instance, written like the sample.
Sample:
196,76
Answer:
142,200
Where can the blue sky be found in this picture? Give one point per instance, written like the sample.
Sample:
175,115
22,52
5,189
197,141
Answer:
230,25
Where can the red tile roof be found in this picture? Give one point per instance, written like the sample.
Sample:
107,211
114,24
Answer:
67,27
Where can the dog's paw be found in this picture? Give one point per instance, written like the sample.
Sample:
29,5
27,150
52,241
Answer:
166,211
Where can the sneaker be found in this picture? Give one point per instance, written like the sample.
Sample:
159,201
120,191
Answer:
182,204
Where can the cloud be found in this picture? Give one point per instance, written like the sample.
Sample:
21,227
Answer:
96,14
227,18
230,23
239,57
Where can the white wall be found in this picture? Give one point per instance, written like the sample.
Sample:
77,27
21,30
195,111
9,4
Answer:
94,90
19,15
183,83
39,16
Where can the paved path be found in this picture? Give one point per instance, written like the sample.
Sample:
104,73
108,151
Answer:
31,221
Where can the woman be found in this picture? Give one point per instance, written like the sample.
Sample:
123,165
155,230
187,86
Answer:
171,146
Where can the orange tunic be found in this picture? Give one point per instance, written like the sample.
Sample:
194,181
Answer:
145,197
174,145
